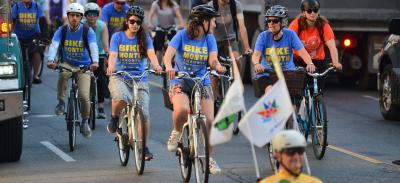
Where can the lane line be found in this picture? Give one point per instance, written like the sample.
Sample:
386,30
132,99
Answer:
57,151
155,84
371,97
359,156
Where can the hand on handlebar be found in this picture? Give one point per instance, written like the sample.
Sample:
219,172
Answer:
51,65
248,51
94,66
170,72
338,66
259,68
310,68
157,69
220,69
110,70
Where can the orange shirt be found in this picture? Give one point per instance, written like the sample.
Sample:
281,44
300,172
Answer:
312,40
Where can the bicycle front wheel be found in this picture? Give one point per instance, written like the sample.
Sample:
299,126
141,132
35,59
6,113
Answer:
92,118
122,138
185,160
201,152
272,161
71,123
139,140
319,128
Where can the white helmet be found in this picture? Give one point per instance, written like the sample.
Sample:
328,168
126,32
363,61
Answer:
92,7
288,139
75,8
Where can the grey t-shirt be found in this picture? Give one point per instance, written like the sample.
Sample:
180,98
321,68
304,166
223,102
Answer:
225,12
166,16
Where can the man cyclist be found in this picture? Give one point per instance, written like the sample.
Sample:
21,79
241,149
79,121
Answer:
30,23
113,15
75,53
288,149
314,31
92,11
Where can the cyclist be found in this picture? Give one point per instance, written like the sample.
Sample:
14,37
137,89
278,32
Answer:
194,47
314,31
166,10
129,49
280,38
30,23
289,147
113,15
92,11
75,53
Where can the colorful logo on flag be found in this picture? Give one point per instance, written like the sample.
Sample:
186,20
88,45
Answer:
224,123
269,110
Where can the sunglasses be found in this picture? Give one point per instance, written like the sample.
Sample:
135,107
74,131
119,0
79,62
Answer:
132,21
120,3
75,15
315,10
293,151
91,14
274,21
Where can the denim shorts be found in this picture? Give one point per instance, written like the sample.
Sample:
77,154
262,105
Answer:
121,90
207,92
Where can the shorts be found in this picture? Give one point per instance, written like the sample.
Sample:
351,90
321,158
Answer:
223,47
159,39
121,91
207,93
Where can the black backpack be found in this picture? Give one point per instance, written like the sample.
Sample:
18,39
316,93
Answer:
64,30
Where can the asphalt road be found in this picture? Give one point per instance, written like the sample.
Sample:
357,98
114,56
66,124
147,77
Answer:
362,145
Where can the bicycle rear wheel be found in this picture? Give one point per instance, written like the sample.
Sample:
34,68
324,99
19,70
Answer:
93,102
272,161
122,138
185,160
27,81
139,140
201,152
319,128
71,123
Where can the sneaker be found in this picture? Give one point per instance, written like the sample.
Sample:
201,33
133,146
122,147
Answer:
25,124
214,168
59,110
37,81
147,154
85,128
101,114
172,143
112,125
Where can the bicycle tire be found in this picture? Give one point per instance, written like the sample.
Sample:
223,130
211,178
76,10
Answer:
27,82
71,123
185,160
198,160
304,124
139,141
272,161
122,138
92,117
222,90
319,131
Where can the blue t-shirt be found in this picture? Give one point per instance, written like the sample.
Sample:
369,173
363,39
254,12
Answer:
283,48
112,17
192,54
27,20
129,57
73,49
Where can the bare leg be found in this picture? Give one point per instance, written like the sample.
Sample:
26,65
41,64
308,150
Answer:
181,109
37,62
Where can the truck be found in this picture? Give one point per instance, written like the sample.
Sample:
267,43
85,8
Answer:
360,27
11,89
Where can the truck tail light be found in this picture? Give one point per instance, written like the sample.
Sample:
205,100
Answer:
5,28
348,42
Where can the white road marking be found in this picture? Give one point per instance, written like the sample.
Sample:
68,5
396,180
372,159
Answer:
57,151
359,156
371,97
43,115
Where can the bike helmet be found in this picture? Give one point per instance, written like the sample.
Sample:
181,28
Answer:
309,4
277,11
288,139
135,10
204,11
92,7
75,8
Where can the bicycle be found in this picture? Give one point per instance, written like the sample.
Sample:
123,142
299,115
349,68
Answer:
193,145
72,114
131,132
93,101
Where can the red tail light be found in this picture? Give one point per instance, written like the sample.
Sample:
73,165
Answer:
347,42
5,28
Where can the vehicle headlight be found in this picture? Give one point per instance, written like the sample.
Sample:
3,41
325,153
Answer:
8,70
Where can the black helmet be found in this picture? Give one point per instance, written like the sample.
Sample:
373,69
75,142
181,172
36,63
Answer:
136,10
309,4
277,11
204,11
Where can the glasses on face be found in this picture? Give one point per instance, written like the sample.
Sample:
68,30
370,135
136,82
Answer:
273,21
120,3
75,15
133,21
293,151
315,10
91,14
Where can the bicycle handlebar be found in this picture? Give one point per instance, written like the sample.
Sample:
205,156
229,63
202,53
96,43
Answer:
183,74
226,59
81,68
136,77
317,75
215,73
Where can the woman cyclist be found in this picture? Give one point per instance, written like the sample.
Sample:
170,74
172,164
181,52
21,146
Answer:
128,50
314,31
280,38
194,48
166,10
92,11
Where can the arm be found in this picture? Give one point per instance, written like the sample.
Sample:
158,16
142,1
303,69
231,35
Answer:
104,39
151,54
255,59
167,62
180,19
94,49
213,60
112,60
243,32
151,15
307,59
334,54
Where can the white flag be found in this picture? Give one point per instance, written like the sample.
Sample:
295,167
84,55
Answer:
268,116
222,127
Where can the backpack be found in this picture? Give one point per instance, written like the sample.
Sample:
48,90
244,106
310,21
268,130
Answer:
64,30
232,6
320,30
